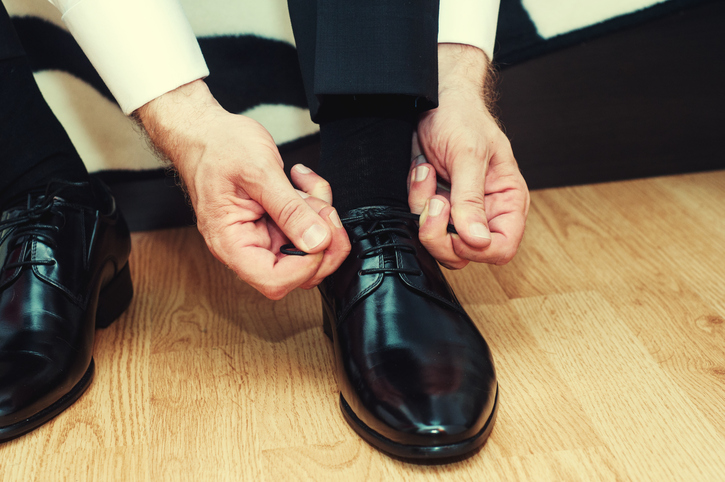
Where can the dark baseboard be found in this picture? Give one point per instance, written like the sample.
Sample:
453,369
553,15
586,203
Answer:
645,101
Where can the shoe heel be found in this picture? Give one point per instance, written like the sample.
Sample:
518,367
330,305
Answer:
114,298
326,324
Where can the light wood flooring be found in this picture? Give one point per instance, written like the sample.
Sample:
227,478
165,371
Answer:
608,332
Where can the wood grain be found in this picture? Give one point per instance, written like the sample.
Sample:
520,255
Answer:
608,332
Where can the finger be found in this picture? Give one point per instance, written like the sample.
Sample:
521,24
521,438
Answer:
507,225
422,187
507,206
468,176
417,158
336,252
299,222
507,231
498,252
258,264
278,237
339,247
311,183
511,228
274,277
434,235
507,212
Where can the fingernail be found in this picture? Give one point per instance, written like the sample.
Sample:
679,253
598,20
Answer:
302,194
423,216
314,235
335,218
302,169
421,173
479,230
435,207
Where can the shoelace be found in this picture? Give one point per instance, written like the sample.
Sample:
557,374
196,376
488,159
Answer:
28,225
375,217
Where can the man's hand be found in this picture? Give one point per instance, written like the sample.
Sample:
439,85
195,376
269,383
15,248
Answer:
462,144
245,206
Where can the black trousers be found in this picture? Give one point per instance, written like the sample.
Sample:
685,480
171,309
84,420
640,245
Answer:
346,49
30,135
349,48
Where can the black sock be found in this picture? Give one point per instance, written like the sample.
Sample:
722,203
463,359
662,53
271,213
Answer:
365,150
35,148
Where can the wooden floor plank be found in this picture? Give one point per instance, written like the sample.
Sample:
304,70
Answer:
202,419
538,411
623,390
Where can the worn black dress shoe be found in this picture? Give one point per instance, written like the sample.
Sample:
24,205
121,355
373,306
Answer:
64,272
416,377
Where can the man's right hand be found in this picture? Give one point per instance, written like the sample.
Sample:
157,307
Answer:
245,206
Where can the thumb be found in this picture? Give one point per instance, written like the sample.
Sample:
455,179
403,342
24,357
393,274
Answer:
468,210
297,220
422,186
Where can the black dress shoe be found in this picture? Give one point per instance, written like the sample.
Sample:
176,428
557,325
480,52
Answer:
416,377
64,272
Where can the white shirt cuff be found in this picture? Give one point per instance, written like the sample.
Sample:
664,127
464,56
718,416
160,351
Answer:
141,48
471,22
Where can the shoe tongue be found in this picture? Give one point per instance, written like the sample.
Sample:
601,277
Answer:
389,254
77,192
389,260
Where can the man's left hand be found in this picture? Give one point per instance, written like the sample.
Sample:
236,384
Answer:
488,200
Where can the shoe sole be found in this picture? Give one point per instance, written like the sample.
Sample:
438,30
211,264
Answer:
113,300
438,454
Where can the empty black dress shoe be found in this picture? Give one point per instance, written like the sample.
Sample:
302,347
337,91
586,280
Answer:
416,377
64,272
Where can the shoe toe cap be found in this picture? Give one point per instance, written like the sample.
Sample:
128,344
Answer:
27,380
444,408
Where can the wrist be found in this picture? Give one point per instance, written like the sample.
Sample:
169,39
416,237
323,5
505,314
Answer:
464,72
174,121
461,67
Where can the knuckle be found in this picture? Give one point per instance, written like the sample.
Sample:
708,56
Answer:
472,198
291,212
254,174
455,265
275,293
311,284
323,185
501,141
427,238
324,191
463,253
506,256
464,147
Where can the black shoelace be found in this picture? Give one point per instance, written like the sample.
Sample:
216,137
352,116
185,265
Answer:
388,247
28,224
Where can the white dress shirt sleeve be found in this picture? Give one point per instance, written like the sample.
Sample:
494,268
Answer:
471,22
141,48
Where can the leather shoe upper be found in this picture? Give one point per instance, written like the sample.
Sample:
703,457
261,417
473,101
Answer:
411,364
56,256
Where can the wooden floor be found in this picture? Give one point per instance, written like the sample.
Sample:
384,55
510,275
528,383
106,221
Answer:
608,332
